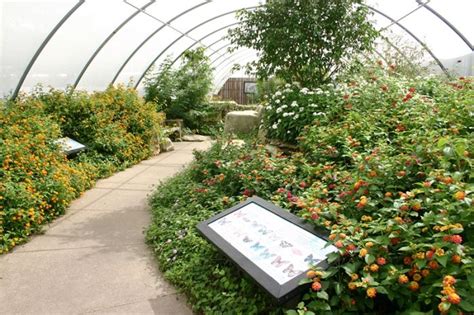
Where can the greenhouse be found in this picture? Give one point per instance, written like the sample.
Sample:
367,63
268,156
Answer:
291,157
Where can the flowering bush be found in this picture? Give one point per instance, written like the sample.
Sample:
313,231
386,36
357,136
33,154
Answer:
394,187
38,181
290,109
116,125
387,171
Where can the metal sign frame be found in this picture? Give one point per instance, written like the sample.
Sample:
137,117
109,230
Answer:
280,292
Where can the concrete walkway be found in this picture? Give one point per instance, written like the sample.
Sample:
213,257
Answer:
94,259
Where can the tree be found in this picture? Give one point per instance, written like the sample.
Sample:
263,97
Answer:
177,92
308,41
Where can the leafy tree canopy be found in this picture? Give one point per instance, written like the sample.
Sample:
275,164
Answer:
308,41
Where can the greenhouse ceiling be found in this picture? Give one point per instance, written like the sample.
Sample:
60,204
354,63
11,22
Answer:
89,44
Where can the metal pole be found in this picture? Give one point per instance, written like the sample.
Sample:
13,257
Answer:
102,45
451,26
227,74
185,34
440,64
152,35
201,39
42,46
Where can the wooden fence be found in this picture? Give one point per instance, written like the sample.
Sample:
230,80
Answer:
240,90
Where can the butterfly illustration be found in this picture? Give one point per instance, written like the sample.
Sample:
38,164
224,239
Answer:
247,239
223,221
291,271
311,260
257,246
285,244
264,230
266,254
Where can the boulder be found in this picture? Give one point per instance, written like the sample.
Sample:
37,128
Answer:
235,142
195,138
274,150
246,121
166,145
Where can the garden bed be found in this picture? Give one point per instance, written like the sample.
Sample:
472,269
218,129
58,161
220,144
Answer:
387,170
38,180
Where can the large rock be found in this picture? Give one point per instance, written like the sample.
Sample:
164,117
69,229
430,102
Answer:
166,145
245,121
195,138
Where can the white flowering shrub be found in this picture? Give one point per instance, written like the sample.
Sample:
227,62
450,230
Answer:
292,108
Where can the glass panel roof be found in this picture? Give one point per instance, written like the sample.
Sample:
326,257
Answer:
115,41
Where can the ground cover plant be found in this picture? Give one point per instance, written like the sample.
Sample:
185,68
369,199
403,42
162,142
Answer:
37,180
387,171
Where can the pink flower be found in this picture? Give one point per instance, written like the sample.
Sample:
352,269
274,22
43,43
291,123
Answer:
456,239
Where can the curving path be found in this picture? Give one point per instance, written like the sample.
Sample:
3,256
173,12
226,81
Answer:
94,259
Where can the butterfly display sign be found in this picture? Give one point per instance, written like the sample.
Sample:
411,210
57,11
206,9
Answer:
70,146
273,246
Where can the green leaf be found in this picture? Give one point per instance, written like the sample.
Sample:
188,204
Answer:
405,249
460,148
443,260
332,257
382,290
349,269
329,273
322,295
466,306
305,281
470,279
442,142
337,288
291,312
369,259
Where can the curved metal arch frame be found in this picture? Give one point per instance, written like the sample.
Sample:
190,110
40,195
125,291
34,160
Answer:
106,40
226,73
42,46
221,56
217,41
425,47
219,49
233,59
203,38
152,34
451,26
229,58
376,52
80,2
370,8
186,33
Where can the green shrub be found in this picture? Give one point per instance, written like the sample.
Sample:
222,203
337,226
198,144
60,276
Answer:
292,108
38,181
116,125
393,187
177,92
387,171
212,283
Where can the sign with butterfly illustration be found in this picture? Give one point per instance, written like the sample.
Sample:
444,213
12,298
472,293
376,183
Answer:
69,146
272,245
